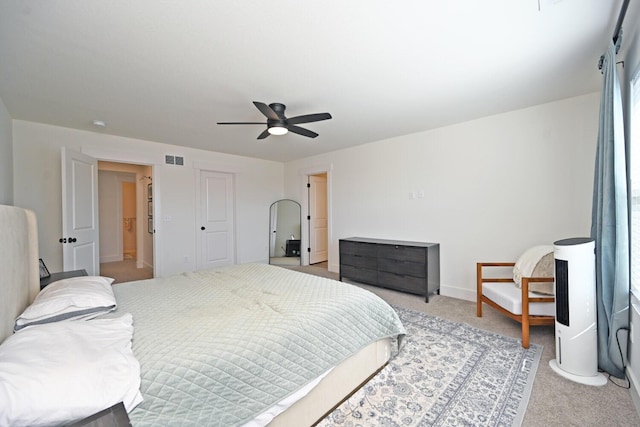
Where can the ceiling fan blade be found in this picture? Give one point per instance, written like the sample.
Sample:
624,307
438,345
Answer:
308,118
302,131
266,110
241,123
264,134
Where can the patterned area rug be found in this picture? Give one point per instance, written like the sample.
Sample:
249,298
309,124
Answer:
447,374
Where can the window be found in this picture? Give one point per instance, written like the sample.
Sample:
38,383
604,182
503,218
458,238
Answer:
634,169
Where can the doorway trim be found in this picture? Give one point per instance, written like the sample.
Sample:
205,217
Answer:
143,159
304,174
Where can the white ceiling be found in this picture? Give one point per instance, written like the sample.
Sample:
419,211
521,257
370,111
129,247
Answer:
167,71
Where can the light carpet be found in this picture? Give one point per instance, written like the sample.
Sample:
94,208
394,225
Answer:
446,374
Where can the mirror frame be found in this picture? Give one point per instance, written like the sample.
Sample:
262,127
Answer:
298,234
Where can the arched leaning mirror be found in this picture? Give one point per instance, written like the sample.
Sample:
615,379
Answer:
284,232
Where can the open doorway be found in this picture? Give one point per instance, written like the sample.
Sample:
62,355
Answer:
318,220
125,194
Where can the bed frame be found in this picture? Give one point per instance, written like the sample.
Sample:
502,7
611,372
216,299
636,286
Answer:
344,380
20,283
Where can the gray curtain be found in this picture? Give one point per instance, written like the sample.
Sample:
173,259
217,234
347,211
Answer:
609,224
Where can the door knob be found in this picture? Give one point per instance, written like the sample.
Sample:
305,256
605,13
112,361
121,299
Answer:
62,240
202,228
72,240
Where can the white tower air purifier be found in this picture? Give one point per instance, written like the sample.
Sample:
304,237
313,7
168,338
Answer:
576,327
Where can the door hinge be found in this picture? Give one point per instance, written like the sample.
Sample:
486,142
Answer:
308,217
309,250
308,185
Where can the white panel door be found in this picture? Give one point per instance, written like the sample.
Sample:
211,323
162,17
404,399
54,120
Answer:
80,232
216,236
318,231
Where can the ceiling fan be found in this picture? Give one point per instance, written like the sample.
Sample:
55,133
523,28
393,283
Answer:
278,124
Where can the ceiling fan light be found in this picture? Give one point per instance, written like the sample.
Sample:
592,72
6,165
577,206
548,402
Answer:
278,130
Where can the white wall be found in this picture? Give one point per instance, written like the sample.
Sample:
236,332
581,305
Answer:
37,186
492,187
633,368
6,156
110,205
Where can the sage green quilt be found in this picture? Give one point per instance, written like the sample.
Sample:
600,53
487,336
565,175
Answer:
218,347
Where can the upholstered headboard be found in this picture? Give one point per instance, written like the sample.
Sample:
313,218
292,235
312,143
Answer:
19,272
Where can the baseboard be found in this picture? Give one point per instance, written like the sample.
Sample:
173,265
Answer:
459,293
111,258
445,290
634,390
633,366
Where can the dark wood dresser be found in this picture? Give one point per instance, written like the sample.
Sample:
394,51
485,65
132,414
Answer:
412,267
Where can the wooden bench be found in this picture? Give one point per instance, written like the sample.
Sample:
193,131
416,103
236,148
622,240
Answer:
502,294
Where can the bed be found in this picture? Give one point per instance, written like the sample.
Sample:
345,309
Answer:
246,345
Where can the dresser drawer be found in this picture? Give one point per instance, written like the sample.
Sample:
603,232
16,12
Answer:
404,253
406,268
358,261
357,248
363,275
414,285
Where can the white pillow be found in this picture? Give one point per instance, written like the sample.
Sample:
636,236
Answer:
62,372
537,261
82,297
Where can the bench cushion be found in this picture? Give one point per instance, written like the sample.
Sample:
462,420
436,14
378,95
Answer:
509,297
